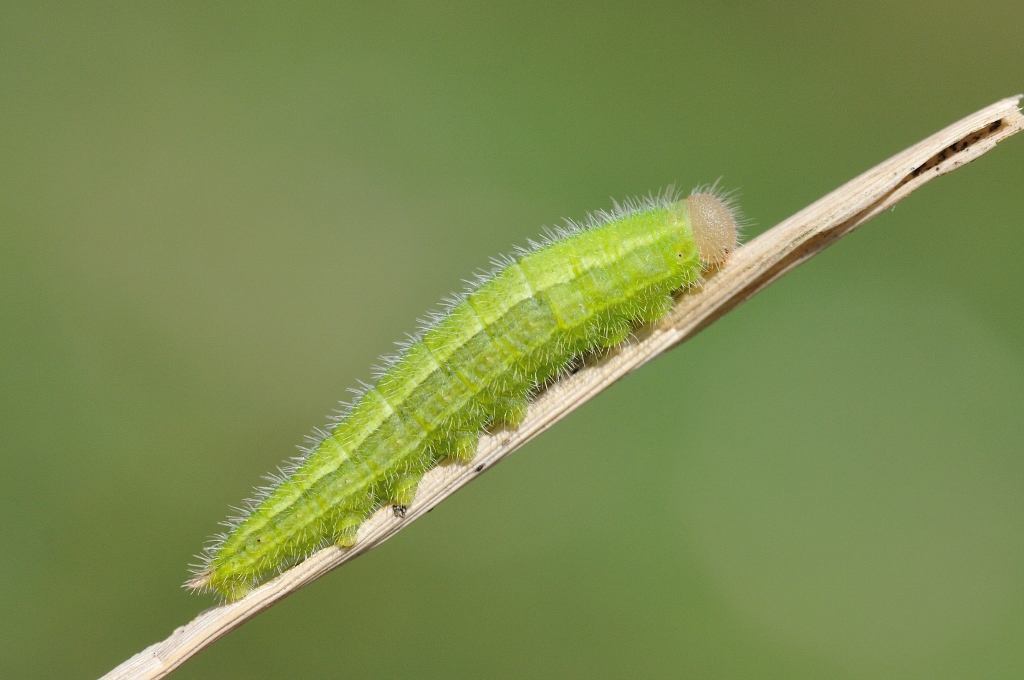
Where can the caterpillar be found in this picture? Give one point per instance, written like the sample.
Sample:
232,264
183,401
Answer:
475,365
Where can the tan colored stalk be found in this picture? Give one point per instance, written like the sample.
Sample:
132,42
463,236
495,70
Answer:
747,271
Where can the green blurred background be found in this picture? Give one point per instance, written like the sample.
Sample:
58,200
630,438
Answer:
214,217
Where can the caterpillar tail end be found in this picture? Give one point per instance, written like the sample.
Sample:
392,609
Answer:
199,583
230,590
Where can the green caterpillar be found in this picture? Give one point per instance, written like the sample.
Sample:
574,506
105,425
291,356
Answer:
476,366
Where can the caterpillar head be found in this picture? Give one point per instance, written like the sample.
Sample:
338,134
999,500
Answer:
713,219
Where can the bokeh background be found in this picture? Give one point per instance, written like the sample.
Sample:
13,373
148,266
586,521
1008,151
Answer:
214,217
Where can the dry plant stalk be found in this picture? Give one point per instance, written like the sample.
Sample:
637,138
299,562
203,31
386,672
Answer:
749,269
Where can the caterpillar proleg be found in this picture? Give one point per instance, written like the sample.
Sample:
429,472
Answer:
475,365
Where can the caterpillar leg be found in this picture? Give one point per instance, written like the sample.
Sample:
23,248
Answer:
345,528
404,491
654,308
612,332
509,411
459,446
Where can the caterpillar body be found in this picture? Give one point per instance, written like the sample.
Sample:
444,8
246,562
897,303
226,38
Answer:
476,365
